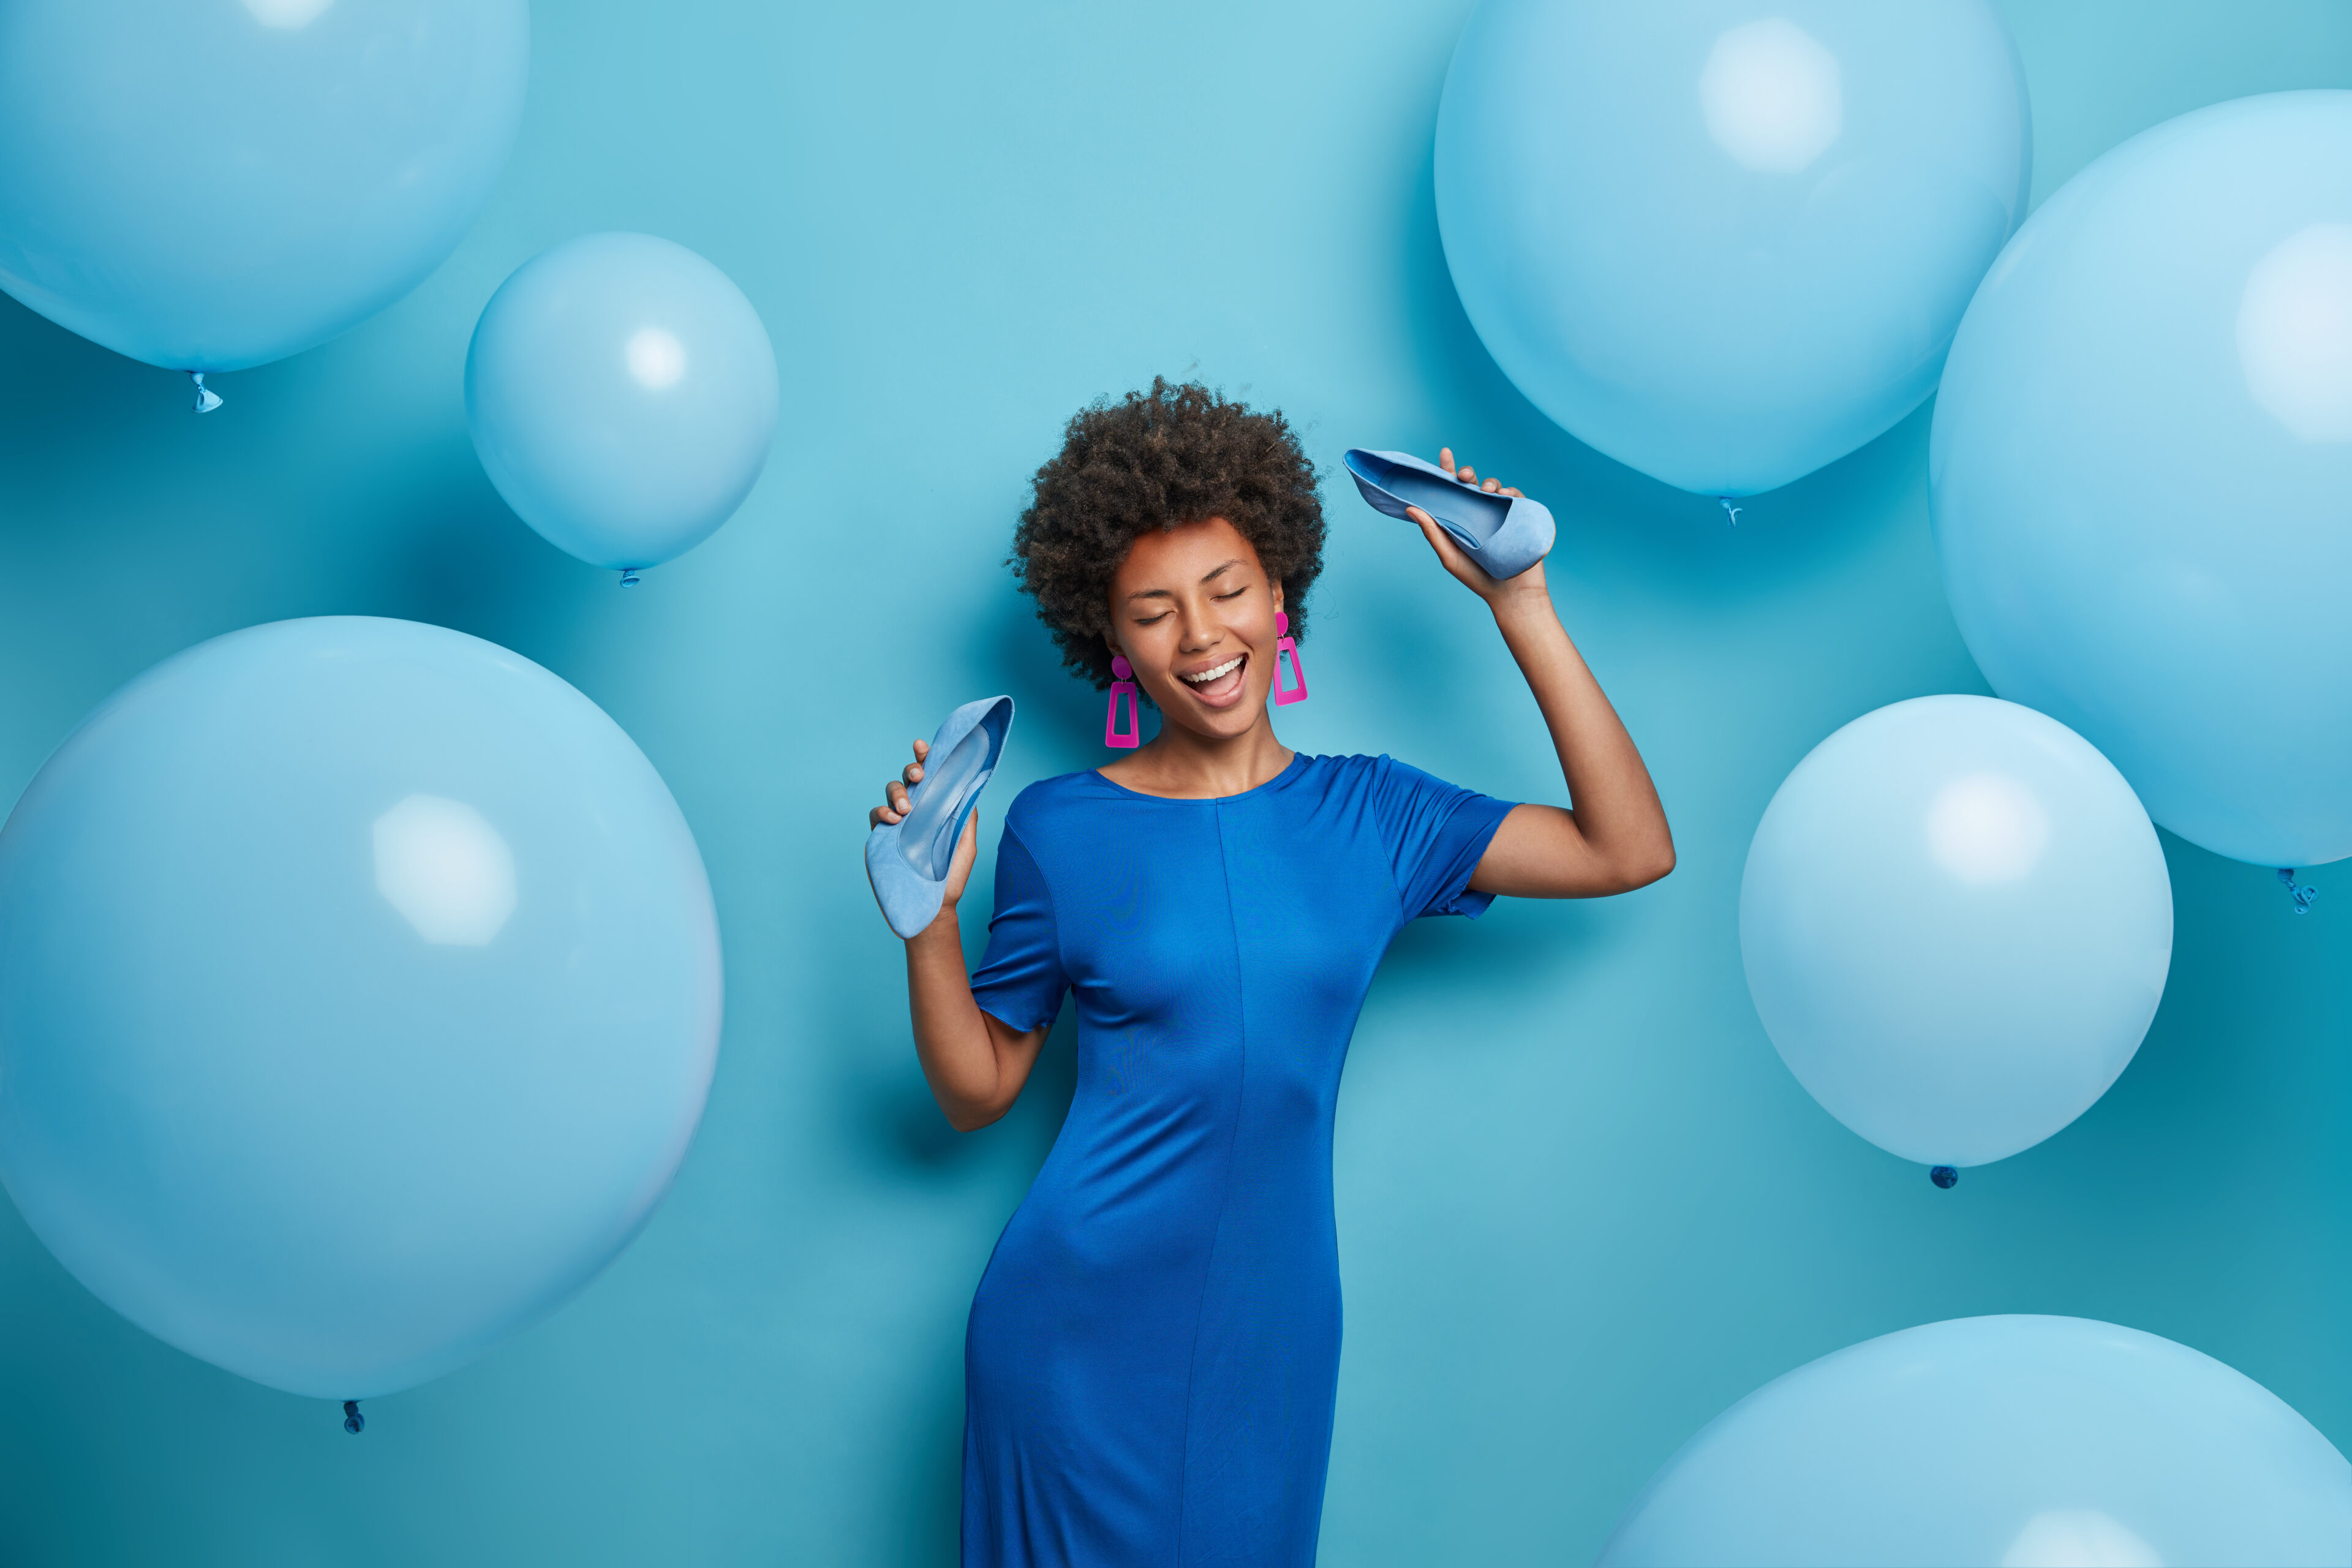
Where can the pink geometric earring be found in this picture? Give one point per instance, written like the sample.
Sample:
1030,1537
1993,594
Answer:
1124,685
1288,645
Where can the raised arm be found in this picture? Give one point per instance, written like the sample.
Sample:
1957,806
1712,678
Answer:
1614,838
974,1062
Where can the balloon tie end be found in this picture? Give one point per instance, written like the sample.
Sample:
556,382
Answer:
353,1422
206,398
2305,895
1730,510
1944,1177
629,578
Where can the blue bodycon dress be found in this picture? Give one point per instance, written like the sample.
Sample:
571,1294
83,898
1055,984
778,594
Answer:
1154,1348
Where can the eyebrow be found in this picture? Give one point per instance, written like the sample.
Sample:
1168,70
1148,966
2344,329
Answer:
1209,576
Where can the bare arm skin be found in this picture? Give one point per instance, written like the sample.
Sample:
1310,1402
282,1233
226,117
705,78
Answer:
974,1062
1615,837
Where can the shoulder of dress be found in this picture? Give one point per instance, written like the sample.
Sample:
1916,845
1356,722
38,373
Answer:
1046,797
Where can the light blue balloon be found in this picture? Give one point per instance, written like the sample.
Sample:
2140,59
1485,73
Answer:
621,394
208,185
2004,1442
1728,241
2140,466
359,993
1957,922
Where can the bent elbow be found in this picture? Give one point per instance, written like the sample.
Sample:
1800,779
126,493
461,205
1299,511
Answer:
972,1117
1644,870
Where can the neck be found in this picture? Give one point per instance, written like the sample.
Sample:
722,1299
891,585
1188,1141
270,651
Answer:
1184,764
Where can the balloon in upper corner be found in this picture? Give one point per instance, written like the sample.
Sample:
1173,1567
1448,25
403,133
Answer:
359,991
2139,466
1727,243
208,187
2019,1441
1955,923
622,394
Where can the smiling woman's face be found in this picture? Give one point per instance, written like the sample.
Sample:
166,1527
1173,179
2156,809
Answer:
1193,610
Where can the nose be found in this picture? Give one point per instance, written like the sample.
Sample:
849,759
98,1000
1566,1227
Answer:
1201,631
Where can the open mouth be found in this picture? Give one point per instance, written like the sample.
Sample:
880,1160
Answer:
1220,685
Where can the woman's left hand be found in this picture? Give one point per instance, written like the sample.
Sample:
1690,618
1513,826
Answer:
1472,575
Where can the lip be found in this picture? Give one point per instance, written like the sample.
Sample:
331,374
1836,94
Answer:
1224,691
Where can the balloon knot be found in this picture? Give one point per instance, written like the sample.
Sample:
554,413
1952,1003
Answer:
206,398
629,578
2305,895
353,1422
1944,1177
1730,510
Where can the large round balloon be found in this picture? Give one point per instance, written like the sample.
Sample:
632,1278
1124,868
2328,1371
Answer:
1727,241
2009,1442
1957,923
216,184
621,394
2141,457
359,993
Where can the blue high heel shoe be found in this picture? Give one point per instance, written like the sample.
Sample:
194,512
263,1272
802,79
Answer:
907,860
1504,535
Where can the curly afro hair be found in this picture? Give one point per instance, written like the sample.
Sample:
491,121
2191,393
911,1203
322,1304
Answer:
1176,454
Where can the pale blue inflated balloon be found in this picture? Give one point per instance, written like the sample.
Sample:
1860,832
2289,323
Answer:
359,993
1727,241
1956,921
2004,1442
2141,465
208,185
621,394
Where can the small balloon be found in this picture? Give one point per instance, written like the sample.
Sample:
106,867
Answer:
359,995
1955,923
622,394
212,186
1722,244
2009,1442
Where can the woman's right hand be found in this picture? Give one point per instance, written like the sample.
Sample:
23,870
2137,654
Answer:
894,809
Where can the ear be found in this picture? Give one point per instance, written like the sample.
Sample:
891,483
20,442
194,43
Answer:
1277,593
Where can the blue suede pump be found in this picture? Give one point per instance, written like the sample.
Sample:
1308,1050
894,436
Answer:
1504,535
907,860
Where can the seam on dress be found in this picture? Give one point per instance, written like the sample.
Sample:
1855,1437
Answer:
1225,1194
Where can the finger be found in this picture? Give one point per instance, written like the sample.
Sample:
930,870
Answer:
1515,491
1439,540
1492,486
1468,475
896,797
1445,458
912,773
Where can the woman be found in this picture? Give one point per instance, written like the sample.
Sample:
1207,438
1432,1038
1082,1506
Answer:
1154,1348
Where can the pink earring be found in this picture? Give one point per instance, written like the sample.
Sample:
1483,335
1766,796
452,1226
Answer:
1123,686
1288,645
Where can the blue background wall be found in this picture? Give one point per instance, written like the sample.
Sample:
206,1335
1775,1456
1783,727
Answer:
1582,1206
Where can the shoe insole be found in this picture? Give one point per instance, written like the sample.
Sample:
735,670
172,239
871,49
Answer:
928,838
1470,515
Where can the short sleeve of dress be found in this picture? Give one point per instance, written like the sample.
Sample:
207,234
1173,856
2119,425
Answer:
1435,834
1020,980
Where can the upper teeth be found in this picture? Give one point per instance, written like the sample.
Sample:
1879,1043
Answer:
1204,676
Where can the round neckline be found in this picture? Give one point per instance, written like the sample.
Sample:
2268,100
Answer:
1297,761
